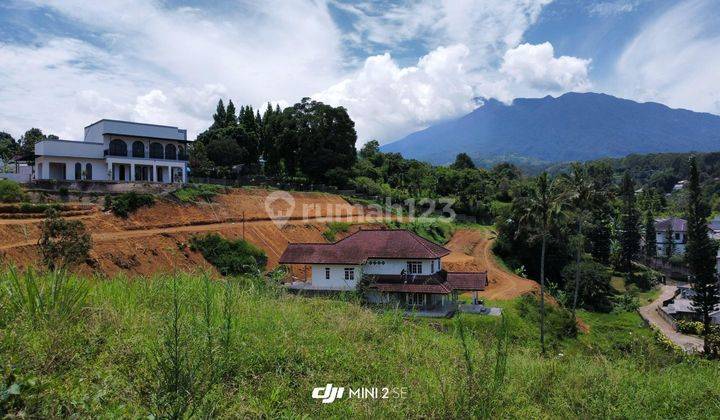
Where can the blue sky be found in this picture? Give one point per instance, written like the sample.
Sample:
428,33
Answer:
397,66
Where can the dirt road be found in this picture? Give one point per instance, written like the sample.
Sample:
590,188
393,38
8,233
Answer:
472,250
650,313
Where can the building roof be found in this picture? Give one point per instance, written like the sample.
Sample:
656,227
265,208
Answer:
714,224
363,245
675,224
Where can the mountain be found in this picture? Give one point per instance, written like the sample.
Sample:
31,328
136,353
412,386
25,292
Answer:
574,126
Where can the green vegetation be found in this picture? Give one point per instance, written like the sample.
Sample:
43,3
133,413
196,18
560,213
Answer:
333,228
195,193
63,243
435,231
230,257
188,346
125,204
10,192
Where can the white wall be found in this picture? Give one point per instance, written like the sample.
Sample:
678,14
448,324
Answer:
337,277
99,168
64,148
397,266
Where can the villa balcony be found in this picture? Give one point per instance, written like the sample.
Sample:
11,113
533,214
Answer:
180,157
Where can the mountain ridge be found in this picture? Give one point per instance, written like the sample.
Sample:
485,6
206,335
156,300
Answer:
573,126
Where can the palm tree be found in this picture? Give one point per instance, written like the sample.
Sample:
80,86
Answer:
541,211
581,194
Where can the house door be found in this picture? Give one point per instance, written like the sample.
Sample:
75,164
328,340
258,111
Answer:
57,171
121,172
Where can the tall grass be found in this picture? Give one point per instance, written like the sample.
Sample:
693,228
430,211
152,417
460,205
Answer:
187,345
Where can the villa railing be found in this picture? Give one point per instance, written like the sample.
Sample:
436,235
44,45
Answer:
181,158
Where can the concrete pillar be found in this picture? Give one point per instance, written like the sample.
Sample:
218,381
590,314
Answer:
132,172
154,173
169,173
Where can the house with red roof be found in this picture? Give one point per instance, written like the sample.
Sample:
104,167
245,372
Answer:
393,266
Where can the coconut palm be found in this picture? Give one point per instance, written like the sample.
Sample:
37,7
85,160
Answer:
541,211
580,194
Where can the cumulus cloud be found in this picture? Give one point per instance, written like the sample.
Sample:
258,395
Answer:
149,62
386,100
674,59
537,67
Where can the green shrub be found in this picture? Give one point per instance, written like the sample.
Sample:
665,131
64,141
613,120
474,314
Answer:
125,204
333,228
230,257
194,193
595,289
63,243
690,327
559,322
10,191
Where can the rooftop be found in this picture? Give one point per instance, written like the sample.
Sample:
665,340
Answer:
362,245
675,224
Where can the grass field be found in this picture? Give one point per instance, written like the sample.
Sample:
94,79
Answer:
188,346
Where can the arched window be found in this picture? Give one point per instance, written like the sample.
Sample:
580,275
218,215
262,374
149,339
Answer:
118,148
88,171
156,150
78,171
138,149
170,152
181,153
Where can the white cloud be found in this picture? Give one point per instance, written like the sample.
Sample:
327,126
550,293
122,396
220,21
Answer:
537,67
166,65
674,59
386,101
611,8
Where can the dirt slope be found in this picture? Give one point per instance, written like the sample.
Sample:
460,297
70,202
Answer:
471,251
156,238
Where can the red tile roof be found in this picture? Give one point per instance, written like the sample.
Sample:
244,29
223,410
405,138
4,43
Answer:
467,281
364,244
439,289
438,283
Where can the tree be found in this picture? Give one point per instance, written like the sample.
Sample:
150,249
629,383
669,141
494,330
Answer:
669,242
220,116
629,224
581,197
28,140
8,146
63,243
463,161
650,235
700,254
230,117
593,289
542,210
225,151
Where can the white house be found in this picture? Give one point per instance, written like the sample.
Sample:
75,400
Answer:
397,266
116,151
670,233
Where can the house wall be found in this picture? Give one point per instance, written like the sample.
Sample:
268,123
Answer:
337,277
95,131
42,167
66,148
392,266
678,243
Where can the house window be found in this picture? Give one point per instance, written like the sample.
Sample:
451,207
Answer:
414,267
88,171
78,171
349,274
117,148
156,151
170,152
138,149
416,299
432,266
327,273
677,236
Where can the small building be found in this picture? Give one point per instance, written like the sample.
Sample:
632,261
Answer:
680,185
393,266
114,150
680,306
670,234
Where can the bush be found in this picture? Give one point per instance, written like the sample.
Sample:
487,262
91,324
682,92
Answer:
595,289
63,243
230,257
436,231
690,327
559,322
10,191
129,202
333,228
199,192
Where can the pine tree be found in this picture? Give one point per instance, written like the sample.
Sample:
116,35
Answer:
650,235
629,224
700,253
230,117
220,117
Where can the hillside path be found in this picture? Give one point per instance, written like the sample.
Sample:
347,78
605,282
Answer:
204,227
650,314
472,251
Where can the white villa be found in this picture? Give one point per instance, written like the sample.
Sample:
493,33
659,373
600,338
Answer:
670,233
397,265
116,151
